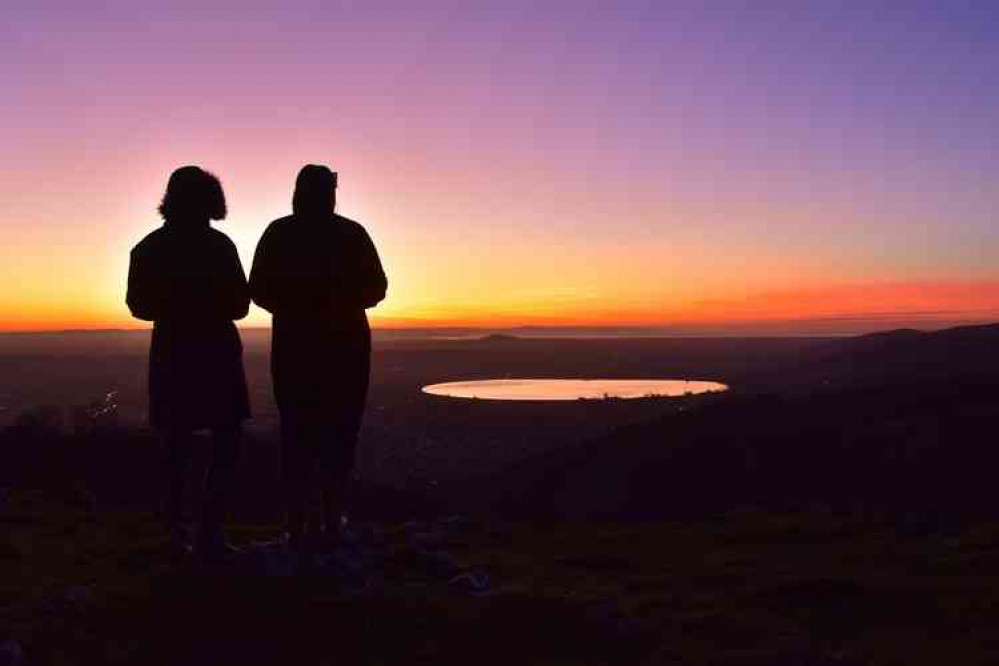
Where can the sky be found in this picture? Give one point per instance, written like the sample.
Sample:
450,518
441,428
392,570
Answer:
796,165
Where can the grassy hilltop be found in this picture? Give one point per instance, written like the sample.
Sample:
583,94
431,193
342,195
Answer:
848,521
738,588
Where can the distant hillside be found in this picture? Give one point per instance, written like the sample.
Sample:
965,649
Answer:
967,338
907,355
499,337
916,446
901,419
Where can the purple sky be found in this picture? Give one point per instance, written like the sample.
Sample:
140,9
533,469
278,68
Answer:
522,162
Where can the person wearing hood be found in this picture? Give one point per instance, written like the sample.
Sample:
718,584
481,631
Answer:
317,272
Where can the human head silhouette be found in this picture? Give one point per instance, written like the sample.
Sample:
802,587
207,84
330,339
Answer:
193,197
315,191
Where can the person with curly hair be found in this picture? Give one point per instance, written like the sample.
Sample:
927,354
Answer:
186,278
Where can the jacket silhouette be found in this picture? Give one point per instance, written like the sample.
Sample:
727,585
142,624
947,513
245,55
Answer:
186,278
317,272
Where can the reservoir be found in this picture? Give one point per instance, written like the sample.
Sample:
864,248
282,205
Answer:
572,389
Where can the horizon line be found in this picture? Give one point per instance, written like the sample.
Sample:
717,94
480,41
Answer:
735,330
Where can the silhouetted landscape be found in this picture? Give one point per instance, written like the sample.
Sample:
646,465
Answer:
834,504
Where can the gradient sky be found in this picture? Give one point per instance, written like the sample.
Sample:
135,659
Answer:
657,163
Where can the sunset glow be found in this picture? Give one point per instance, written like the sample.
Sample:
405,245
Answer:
626,164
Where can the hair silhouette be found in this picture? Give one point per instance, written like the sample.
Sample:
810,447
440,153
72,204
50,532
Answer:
315,191
193,196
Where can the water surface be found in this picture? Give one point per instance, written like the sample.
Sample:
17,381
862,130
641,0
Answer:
572,389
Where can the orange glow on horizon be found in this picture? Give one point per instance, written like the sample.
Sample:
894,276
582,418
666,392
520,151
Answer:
928,302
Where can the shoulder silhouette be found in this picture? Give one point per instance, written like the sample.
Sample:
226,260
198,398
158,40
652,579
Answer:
315,262
185,270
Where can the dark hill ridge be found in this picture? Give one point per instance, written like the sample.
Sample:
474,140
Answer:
906,340
499,337
897,356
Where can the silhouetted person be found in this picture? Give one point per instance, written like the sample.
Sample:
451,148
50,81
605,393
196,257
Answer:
186,278
317,272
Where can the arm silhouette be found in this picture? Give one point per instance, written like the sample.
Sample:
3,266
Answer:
263,289
158,293
363,284
373,283
294,279
147,294
231,292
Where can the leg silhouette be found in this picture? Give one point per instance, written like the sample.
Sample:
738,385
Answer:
177,459
219,477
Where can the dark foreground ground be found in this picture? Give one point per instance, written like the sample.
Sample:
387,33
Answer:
740,588
838,508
